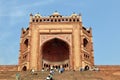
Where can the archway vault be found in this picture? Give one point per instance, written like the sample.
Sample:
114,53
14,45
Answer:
55,50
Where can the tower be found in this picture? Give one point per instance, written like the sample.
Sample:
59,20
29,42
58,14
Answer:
57,41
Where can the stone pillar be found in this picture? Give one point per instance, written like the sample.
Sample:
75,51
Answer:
34,48
76,47
40,62
71,55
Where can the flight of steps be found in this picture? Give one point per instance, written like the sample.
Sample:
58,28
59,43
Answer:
7,75
67,75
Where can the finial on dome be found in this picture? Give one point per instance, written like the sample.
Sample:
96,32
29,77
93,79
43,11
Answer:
80,14
73,12
31,14
56,11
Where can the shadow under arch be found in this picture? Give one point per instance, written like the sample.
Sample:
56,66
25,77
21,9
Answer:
86,68
55,50
85,42
24,68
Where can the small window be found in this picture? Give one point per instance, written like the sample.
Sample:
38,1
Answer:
73,20
51,20
84,55
47,19
26,43
24,68
67,65
55,20
44,20
85,42
58,20
66,19
88,57
40,20
33,20
23,32
37,20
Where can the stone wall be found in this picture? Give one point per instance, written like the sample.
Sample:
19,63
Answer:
8,67
109,67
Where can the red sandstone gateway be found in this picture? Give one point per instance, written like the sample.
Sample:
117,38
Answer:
56,41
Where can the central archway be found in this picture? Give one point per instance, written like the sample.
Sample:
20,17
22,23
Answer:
55,52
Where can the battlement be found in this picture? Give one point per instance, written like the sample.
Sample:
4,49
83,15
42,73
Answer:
109,67
55,17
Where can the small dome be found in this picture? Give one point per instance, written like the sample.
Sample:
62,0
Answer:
38,15
74,14
56,13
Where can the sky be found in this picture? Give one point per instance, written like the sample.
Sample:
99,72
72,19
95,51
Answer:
102,15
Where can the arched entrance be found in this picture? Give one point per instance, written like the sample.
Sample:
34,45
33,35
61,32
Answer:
55,53
86,67
24,68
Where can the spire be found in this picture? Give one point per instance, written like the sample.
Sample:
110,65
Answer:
80,14
31,14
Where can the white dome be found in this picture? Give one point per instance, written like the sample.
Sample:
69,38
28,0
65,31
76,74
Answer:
55,13
38,15
74,14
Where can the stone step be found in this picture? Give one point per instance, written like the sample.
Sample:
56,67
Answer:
67,75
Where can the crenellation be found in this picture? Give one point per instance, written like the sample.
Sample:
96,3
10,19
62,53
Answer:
55,17
56,20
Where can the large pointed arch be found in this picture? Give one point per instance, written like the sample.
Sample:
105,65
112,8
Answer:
55,50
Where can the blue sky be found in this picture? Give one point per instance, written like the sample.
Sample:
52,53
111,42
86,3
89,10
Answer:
102,15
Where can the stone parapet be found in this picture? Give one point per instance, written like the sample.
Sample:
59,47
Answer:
109,67
8,67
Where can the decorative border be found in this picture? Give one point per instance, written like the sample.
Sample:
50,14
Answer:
46,37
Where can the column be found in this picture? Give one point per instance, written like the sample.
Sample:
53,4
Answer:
34,48
76,47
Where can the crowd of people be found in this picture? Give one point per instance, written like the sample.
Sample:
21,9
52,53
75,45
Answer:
52,72
90,69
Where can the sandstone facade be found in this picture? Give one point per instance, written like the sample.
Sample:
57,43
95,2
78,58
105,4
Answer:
57,41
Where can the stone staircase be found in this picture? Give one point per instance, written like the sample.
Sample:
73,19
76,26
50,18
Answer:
67,75
7,75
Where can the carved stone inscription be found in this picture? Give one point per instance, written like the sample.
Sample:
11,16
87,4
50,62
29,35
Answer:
65,37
